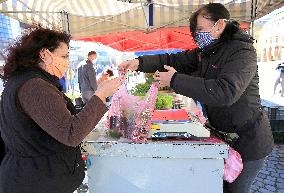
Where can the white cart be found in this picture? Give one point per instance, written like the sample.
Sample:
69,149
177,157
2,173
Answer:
156,167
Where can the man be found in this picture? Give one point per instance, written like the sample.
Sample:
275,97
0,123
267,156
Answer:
280,79
87,77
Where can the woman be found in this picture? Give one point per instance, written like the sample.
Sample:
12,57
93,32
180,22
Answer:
222,74
38,123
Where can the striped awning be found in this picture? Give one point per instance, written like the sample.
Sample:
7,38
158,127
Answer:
96,17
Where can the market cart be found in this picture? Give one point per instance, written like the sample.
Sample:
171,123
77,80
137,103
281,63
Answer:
156,167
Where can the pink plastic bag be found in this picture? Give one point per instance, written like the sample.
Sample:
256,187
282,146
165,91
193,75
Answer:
233,164
200,116
130,116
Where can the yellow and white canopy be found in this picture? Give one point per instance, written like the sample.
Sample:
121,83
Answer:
95,17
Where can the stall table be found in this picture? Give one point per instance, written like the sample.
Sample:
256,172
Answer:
156,167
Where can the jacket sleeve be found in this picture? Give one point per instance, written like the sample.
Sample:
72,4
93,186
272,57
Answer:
231,83
184,62
91,72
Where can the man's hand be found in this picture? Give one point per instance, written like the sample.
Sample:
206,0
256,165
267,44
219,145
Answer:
164,78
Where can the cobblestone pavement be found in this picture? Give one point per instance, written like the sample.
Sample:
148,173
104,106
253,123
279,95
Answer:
271,178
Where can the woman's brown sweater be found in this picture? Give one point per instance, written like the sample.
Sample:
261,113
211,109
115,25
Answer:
45,104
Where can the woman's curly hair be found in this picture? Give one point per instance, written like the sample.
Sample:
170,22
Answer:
23,54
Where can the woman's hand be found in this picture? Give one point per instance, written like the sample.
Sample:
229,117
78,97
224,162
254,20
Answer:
164,78
108,87
103,78
128,65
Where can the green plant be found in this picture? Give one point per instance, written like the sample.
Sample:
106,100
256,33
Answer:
140,89
164,102
149,78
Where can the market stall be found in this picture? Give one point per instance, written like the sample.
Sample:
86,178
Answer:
179,156
155,167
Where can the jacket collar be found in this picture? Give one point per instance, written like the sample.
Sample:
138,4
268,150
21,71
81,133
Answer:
217,44
51,78
89,62
211,49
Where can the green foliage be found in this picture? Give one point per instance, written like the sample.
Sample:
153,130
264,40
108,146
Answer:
140,89
149,78
164,102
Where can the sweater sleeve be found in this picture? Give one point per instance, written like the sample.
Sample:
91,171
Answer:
47,107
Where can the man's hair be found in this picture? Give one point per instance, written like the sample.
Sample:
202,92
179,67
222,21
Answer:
92,53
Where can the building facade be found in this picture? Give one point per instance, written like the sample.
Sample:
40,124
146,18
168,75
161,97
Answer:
271,38
9,30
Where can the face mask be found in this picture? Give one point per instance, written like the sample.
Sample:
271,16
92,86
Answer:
204,39
58,66
94,61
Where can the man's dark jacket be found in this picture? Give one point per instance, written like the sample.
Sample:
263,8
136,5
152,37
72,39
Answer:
34,162
87,77
224,78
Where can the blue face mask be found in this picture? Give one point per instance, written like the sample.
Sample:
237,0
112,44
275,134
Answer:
203,39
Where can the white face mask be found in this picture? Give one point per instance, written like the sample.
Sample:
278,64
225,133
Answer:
94,61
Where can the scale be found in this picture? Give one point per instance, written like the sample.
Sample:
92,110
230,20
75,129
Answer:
176,123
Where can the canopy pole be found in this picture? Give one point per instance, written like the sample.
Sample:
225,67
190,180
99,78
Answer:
68,22
151,12
253,16
145,10
65,21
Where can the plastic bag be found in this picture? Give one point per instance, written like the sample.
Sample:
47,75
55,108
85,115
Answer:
233,166
130,116
200,116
